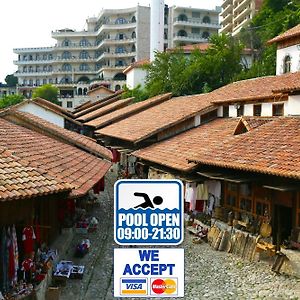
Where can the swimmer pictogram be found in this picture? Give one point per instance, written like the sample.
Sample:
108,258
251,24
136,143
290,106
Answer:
157,200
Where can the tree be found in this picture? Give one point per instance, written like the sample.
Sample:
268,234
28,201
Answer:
138,93
197,73
274,18
11,80
10,100
167,73
46,91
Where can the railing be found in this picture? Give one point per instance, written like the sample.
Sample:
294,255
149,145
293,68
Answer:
195,37
76,45
195,21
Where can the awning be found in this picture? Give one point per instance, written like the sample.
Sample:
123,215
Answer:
225,177
281,188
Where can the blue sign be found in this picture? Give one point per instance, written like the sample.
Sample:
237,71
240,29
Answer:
148,212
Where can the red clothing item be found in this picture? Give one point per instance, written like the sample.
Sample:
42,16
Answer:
27,265
28,237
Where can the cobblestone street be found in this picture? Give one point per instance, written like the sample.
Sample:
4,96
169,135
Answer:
209,274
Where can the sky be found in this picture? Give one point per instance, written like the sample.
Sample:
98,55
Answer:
29,23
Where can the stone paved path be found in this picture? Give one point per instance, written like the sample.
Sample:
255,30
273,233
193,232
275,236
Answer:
209,274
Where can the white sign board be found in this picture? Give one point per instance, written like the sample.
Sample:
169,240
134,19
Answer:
151,272
148,212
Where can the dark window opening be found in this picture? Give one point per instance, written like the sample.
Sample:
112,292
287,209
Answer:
257,110
278,109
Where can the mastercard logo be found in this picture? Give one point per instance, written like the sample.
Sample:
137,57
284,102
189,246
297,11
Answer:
164,286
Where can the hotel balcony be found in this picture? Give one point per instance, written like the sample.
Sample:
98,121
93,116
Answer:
107,42
241,6
32,50
113,26
73,59
194,22
77,70
113,68
189,38
115,55
226,2
239,18
33,74
227,28
236,28
228,9
33,62
72,33
227,19
76,46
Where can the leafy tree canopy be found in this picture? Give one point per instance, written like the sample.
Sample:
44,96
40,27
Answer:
11,80
46,91
10,100
138,93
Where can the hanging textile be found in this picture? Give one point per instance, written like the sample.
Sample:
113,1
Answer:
28,237
16,254
190,194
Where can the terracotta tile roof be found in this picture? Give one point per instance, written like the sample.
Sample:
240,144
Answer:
256,88
189,48
99,88
137,64
64,162
250,123
157,118
272,149
98,104
105,110
174,152
41,103
18,180
37,124
82,106
53,106
127,111
293,32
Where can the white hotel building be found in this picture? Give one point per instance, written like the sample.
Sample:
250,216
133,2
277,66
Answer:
111,42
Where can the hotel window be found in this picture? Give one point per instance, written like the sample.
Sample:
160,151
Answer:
83,67
66,67
69,104
120,21
278,110
83,43
287,64
83,55
133,35
257,110
195,30
120,49
44,81
205,35
66,55
195,14
182,18
66,43
206,19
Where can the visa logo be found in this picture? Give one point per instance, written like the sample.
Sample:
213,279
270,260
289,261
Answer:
134,286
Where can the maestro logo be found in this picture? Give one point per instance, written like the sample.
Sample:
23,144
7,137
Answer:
164,286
